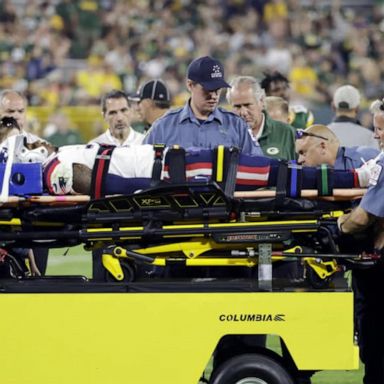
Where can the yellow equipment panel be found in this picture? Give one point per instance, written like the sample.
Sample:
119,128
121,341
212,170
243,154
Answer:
168,338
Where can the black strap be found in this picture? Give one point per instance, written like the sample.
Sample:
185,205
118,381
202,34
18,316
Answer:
157,164
281,184
100,170
231,163
175,160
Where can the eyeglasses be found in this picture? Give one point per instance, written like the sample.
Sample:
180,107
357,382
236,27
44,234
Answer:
300,133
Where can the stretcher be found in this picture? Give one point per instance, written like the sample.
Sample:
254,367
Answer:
189,225
178,326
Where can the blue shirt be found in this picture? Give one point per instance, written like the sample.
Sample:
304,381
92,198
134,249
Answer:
181,127
373,201
351,157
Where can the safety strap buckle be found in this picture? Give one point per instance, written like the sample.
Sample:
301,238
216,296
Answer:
175,163
157,164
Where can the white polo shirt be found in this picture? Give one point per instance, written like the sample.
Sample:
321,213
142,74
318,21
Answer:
134,137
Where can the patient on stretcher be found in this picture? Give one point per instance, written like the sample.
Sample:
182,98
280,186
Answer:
80,169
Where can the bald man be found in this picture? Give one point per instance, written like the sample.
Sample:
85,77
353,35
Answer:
319,145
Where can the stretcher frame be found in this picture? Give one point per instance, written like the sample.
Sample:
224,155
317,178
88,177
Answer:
185,338
193,224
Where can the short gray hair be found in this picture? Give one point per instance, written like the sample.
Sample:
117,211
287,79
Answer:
377,107
6,92
250,81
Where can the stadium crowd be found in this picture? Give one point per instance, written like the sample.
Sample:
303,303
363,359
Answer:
60,52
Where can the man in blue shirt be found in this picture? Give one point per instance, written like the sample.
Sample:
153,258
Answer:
368,284
201,123
319,145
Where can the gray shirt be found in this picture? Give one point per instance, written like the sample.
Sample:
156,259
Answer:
351,134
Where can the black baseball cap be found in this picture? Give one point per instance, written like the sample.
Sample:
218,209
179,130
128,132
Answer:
208,72
154,90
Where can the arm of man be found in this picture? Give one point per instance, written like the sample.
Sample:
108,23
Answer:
356,221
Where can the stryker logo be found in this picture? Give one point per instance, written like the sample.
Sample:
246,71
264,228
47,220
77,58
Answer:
248,317
150,201
216,72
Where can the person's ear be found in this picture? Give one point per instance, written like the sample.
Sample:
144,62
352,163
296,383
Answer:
189,84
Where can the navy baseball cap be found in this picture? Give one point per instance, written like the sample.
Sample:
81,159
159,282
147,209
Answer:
208,72
154,90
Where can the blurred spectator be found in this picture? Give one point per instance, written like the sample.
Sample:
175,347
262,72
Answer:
153,101
346,103
40,64
59,131
304,79
276,84
97,79
317,45
277,108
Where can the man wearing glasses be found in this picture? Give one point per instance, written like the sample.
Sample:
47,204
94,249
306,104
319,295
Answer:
318,145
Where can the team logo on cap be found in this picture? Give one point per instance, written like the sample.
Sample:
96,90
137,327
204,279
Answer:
216,71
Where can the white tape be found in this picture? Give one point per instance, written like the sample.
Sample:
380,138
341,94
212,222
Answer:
8,168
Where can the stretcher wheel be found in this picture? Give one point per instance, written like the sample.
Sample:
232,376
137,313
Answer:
251,369
129,270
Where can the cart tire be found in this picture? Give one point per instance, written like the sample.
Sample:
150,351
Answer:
129,270
251,369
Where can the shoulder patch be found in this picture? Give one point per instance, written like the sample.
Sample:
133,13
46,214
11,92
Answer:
375,174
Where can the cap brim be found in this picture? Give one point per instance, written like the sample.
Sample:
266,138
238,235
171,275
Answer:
214,84
134,97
